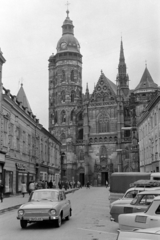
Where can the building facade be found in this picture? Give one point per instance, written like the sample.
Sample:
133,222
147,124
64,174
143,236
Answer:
149,137
27,150
98,131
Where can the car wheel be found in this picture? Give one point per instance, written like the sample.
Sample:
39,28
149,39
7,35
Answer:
68,217
23,223
59,221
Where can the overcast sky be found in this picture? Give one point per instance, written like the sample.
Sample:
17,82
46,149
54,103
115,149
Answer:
30,30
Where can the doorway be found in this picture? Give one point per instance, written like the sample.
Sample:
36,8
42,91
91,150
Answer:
104,178
81,178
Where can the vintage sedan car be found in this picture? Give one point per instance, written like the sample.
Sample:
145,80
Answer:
148,219
140,234
128,196
138,204
45,205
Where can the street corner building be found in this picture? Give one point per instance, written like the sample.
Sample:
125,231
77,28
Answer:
28,152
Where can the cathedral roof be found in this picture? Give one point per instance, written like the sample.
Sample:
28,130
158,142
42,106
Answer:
68,42
21,97
146,81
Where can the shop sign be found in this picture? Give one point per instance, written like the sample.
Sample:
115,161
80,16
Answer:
20,166
2,157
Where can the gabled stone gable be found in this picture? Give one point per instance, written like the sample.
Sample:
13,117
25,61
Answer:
104,92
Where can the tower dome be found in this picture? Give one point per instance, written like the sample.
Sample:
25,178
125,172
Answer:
68,42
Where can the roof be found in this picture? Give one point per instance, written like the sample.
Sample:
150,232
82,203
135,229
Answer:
21,97
146,81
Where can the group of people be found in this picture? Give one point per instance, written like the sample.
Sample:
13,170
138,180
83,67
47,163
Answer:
66,184
33,185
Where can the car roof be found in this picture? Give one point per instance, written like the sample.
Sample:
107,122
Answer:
143,188
48,189
157,191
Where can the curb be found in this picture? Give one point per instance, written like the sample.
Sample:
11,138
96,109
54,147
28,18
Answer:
17,206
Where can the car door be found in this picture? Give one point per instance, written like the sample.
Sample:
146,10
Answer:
67,204
154,220
143,203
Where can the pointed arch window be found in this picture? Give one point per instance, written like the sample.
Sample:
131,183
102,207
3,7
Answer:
63,76
63,116
72,75
72,115
63,96
99,98
72,96
55,117
56,79
103,123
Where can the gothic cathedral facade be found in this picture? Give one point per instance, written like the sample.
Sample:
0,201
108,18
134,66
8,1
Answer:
96,130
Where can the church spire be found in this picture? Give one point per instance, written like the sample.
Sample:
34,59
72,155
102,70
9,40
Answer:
87,92
122,77
122,65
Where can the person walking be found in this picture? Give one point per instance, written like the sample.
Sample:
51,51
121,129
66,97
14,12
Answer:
23,188
1,190
31,187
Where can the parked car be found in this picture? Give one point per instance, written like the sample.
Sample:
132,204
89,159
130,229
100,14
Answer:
45,205
148,219
138,204
140,234
128,196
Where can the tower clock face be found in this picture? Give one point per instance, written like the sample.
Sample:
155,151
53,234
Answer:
63,45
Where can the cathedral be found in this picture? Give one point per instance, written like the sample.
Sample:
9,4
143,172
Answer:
97,130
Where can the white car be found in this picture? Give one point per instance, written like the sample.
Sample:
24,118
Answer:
140,234
148,219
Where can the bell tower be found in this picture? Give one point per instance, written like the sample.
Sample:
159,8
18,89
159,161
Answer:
65,89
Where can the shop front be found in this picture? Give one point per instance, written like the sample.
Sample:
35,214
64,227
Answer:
51,174
8,182
44,173
2,162
21,176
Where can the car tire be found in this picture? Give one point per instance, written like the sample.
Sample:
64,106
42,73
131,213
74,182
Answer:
23,223
59,221
70,213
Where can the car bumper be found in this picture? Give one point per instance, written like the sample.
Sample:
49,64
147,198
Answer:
36,219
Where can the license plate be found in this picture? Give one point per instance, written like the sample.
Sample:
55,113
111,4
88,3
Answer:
36,219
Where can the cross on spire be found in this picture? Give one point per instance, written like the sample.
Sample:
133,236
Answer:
67,4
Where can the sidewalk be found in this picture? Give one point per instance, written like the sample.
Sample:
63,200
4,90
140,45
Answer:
15,201
12,202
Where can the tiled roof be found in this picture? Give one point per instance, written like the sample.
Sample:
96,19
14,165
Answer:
21,97
146,81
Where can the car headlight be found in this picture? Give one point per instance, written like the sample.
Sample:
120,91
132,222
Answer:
21,212
53,212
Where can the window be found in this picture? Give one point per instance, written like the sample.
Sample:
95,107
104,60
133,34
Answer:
72,115
103,124
63,116
63,138
72,75
63,76
72,96
63,96
11,135
158,210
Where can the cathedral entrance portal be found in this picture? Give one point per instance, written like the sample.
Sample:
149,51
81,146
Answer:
81,178
104,178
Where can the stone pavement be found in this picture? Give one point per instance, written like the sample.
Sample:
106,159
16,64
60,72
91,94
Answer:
13,202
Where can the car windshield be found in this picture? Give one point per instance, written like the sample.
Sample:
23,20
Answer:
44,195
131,194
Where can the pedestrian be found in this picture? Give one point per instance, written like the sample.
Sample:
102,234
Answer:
31,187
60,184
1,190
88,184
106,183
50,184
23,188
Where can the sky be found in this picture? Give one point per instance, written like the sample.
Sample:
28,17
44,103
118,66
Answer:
30,30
